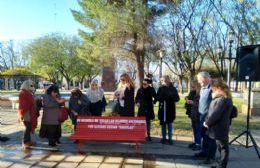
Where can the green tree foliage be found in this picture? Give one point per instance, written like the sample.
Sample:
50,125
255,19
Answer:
17,71
56,54
118,27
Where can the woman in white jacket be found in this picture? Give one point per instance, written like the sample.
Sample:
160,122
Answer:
95,95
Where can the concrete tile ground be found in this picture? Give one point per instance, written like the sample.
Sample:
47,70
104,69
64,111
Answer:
109,154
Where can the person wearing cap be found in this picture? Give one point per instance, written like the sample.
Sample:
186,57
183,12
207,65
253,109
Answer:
95,95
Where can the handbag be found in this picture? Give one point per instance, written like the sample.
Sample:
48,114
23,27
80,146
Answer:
234,112
115,107
63,114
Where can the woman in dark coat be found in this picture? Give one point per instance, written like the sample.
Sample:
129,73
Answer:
144,99
125,95
218,119
193,102
78,105
167,95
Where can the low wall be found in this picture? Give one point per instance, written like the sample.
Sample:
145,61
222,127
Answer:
5,103
12,101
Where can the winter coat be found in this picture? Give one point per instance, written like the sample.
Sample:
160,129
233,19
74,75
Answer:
81,109
51,110
27,107
145,98
218,118
167,96
189,106
129,105
194,114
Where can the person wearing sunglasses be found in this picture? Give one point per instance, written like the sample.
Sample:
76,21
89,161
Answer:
27,112
50,125
125,96
144,100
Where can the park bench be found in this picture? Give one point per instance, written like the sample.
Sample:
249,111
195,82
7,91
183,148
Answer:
109,128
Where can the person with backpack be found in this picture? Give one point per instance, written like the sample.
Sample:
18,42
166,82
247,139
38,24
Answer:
218,119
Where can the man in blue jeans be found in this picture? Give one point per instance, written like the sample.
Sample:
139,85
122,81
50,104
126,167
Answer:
208,145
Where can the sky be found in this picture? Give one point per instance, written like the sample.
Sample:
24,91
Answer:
29,19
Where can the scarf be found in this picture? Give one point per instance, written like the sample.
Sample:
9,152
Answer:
27,103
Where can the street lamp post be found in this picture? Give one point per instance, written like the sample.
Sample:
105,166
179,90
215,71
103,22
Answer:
219,52
161,57
231,40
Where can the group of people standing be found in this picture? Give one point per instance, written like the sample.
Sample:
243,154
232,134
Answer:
145,99
51,103
93,103
209,106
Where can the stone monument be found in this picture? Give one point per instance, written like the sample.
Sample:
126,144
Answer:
108,76
254,104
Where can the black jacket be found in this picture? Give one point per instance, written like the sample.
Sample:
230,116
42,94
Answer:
188,107
129,104
218,118
167,96
145,98
195,115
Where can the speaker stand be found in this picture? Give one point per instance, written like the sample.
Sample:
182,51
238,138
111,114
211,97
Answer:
247,131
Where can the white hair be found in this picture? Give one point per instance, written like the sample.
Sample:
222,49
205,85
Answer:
26,85
203,74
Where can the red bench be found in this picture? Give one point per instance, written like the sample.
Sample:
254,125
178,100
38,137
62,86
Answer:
129,129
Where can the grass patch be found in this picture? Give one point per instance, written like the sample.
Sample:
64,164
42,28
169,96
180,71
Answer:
182,124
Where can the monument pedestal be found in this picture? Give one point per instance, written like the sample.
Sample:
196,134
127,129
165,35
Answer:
254,104
108,76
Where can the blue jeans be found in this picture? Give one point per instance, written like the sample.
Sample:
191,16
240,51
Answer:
196,132
204,147
169,126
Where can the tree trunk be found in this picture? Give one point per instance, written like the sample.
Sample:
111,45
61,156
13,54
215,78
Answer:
139,56
180,86
140,66
190,78
68,83
82,82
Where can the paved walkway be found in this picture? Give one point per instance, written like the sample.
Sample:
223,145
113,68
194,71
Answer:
109,154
